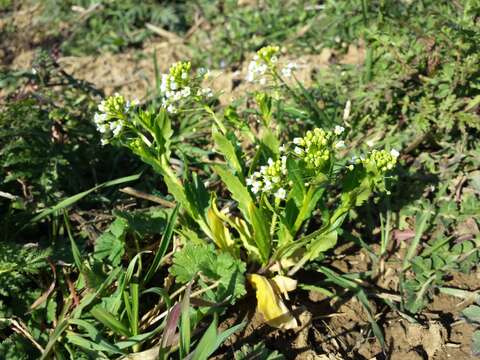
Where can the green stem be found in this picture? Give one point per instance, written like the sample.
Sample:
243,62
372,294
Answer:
364,12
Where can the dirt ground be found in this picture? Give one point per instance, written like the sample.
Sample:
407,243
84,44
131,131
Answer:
339,329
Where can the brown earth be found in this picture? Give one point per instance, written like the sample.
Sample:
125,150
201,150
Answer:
339,328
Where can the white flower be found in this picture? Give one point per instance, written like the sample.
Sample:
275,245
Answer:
262,81
256,188
268,185
117,130
346,111
340,144
282,148
101,107
184,75
173,85
298,150
270,161
172,109
297,141
103,142
186,91
102,128
163,85
207,92
281,194
249,181
287,70
99,118
370,143
338,130
394,153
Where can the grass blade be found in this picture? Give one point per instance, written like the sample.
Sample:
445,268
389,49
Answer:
169,332
185,323
110,321
421,225
162,248
65,203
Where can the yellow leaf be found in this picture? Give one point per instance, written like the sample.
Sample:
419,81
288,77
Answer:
220,233
270,303
285,284
283,264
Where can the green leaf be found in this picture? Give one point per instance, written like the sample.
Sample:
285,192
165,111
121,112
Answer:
73,199
110,321
228,149
75,251
321,243
197,196
206,345
295,175
309,203
472,313
184,348
59,329
111,244
239,191
476,343
270,142
257,352
261,233
89,345
163,246
217,266
473,103
420,227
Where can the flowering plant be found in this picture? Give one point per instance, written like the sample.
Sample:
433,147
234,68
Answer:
277,188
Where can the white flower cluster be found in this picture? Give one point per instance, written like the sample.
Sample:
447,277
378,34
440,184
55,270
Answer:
270,179
256,71
377,160
206,92
262,64
111,116
178,85
288,69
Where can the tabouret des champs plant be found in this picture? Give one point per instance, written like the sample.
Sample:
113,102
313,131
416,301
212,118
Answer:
277,188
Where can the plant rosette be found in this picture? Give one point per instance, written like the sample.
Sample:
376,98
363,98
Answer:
277,189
